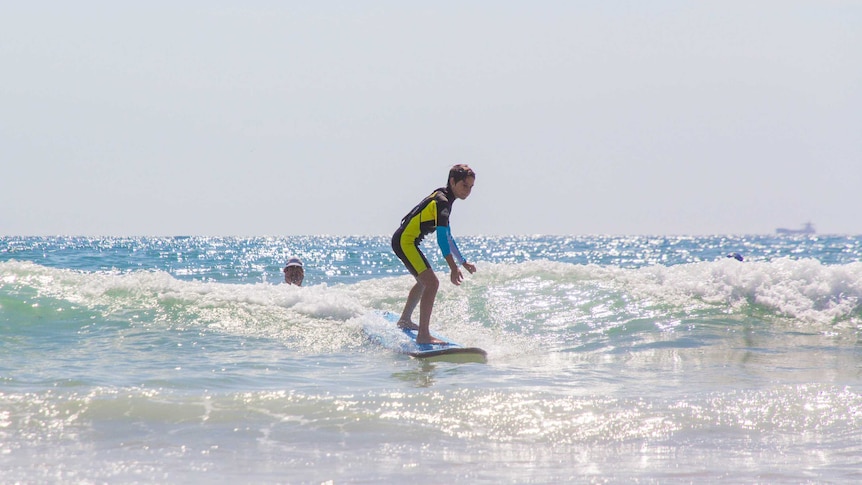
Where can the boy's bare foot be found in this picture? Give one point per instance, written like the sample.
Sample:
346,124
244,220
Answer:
429,340
407,324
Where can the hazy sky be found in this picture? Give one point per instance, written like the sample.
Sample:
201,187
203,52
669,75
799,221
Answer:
336,117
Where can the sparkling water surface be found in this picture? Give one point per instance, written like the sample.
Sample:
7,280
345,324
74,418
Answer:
610,359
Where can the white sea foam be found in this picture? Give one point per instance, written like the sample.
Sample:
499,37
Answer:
609,359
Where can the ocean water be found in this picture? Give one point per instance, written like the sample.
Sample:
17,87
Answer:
610,359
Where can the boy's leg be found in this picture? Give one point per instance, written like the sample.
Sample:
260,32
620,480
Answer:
406,320
429,283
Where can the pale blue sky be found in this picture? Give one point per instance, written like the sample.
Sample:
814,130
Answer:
324,117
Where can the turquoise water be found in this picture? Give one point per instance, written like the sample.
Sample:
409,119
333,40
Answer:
650,359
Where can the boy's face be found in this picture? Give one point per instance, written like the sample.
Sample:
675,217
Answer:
463,188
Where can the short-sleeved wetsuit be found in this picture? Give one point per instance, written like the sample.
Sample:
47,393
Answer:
429,215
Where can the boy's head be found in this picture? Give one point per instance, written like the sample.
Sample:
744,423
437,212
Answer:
459,172
461,180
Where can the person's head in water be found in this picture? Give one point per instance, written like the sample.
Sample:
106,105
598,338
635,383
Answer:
294,273
461,180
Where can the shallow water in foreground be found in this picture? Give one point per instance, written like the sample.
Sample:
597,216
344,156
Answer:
610,359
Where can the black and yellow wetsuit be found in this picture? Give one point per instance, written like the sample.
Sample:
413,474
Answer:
432,214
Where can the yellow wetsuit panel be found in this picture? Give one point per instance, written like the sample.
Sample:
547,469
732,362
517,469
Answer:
417,224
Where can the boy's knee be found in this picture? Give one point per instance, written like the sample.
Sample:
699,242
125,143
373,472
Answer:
429,280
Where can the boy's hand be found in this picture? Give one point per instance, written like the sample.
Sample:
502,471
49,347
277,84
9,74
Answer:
456,276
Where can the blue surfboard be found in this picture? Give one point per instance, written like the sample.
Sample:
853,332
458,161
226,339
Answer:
403,341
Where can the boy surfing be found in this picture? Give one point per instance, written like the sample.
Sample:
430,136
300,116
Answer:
431,215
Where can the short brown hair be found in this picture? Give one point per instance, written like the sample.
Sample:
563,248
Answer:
460,172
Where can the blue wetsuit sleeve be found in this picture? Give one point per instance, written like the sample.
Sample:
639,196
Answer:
447,244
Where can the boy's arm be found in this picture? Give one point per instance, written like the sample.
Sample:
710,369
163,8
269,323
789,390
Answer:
452,254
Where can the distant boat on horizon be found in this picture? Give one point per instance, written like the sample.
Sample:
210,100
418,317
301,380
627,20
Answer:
807,229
